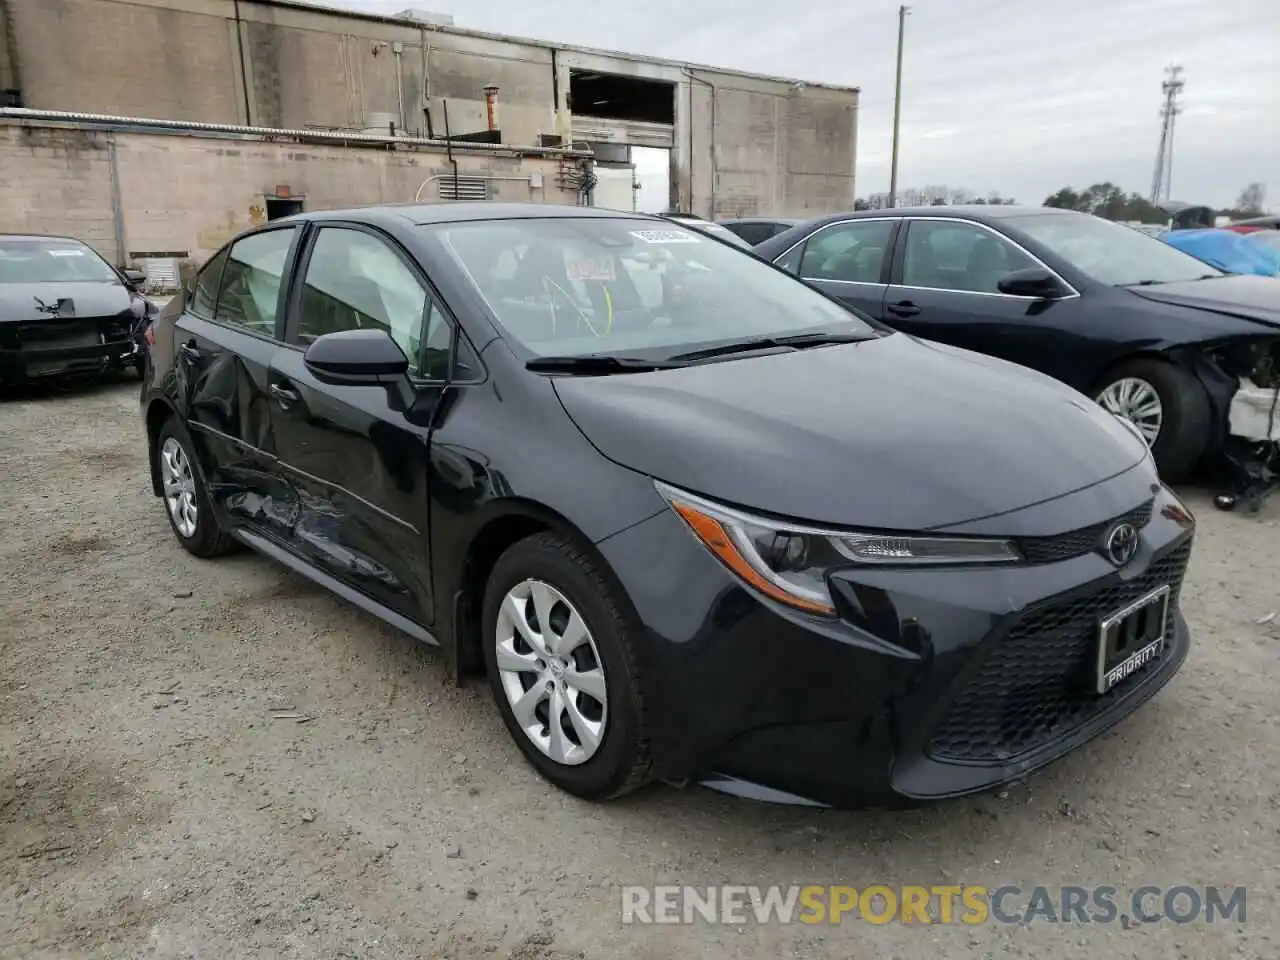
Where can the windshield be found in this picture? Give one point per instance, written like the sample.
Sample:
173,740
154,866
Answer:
51,261
1111,253
569,287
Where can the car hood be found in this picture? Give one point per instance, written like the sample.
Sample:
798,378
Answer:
891,433
89,299
1247,297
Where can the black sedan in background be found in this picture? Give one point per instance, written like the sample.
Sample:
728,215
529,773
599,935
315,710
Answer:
756,230
1189,354
695,520
65,311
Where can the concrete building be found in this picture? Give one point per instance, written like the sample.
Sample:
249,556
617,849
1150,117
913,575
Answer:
738,144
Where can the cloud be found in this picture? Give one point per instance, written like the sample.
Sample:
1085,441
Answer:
1019,96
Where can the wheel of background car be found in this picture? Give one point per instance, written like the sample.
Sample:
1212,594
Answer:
559,653
1169,407
185,498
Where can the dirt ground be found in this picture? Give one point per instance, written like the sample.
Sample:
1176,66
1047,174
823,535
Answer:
151,806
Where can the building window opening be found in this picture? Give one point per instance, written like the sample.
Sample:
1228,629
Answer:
608,96
278,207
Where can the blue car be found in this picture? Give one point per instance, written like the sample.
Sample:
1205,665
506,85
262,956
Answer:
1226,250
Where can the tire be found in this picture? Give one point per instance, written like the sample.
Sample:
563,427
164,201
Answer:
203,537
619,763
1186,414
140,365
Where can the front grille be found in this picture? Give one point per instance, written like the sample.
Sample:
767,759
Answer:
1036,683
73,332
1064,546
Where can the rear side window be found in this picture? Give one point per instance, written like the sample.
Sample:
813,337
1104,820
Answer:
250,288
205,296
754,233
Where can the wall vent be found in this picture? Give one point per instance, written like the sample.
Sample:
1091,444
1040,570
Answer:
468,188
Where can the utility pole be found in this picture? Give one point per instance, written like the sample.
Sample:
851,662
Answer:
1163,178
897,109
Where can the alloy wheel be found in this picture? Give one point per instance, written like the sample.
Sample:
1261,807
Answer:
1138,402
551,672
179,487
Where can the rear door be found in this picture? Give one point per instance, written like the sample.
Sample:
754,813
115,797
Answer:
224,340
848,260
946,276
356,456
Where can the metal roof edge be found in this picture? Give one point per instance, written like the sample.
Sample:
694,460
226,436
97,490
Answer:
549,44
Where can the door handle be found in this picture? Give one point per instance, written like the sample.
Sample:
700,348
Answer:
190,352
285,394
904,309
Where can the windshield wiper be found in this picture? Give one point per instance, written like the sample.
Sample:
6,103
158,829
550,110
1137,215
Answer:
796,341
597,363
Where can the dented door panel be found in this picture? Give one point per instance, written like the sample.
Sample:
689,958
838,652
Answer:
222,378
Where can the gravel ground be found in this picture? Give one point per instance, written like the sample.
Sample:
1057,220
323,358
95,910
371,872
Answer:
150,805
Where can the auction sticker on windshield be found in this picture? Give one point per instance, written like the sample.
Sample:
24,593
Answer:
68,252
591,268
664,236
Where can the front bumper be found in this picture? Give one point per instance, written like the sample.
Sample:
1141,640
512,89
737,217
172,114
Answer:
932,683
40,349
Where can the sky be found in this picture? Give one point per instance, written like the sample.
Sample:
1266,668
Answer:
1021,97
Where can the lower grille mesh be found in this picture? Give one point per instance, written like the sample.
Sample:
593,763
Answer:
1035,685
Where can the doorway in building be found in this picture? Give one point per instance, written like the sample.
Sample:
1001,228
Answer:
653,175
278,207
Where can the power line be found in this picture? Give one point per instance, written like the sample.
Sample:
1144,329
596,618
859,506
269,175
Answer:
1163,178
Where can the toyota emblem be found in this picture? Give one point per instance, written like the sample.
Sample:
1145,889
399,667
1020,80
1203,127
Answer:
1121,543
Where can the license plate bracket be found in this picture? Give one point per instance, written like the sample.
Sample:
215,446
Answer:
1130,638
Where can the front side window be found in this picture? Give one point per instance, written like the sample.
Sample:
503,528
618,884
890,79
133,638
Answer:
574,285
355,281
52,260
1109,252
250,288
853,252
950,255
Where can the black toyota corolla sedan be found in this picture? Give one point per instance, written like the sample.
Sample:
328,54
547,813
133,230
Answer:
65,311
696,521
1190,354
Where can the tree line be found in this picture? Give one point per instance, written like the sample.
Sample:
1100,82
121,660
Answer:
1110,201
1104,199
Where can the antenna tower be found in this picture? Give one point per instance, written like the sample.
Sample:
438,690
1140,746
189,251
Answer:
1172,87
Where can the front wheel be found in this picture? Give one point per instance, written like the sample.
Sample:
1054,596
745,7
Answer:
1168,406
562,668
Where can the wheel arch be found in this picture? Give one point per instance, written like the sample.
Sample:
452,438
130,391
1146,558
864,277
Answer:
158,412
506,523
1175,355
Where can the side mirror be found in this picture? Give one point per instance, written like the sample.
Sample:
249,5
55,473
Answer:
134,278
356,357
1032,282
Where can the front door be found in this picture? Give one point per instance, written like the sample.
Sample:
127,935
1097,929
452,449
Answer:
946,276
356,456
224,341
848,260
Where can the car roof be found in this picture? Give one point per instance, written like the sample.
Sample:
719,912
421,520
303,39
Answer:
460,211
967,211
37,237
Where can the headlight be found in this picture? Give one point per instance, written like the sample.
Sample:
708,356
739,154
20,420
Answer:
790,562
